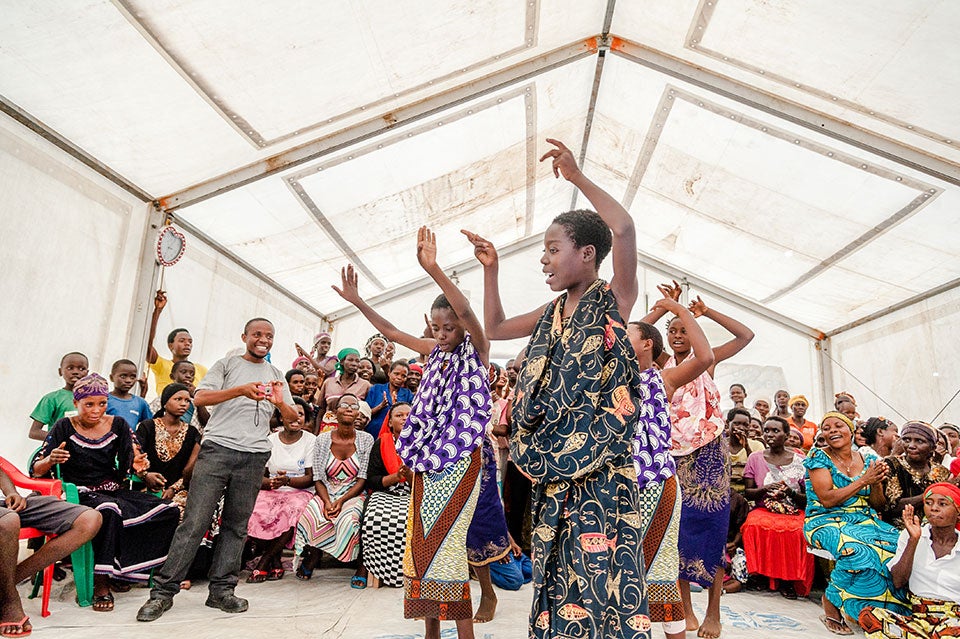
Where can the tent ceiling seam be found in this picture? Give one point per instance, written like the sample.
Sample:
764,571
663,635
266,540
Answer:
893,308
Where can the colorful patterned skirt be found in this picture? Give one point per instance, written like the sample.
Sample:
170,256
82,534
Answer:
931,619
776,548
704,477
276,512
487,537
339,538
862,546
135,535
384,533
660,505
436,574
588,557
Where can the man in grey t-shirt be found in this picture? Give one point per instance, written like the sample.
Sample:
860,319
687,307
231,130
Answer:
245,389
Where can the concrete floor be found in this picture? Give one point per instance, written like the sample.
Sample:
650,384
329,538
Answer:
326,607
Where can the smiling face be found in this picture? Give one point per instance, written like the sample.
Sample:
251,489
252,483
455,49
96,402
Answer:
294,425
565,264
258,338
755,430
398,375
363,367
413,380
794,440
91,409
836,434
311,381
737,394
178,404
447,329
72,368
323,346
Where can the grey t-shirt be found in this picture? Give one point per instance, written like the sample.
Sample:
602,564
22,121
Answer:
241,423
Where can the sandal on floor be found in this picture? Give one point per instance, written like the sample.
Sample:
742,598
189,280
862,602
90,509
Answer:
257,577
357,582
105,603
826,621
275,574
19,629
304,574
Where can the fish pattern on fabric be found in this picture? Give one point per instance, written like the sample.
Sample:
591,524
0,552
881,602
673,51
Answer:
450,411
574,419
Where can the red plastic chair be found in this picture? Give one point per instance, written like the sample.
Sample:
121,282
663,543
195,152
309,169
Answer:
52,487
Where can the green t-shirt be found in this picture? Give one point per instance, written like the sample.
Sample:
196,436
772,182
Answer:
54,406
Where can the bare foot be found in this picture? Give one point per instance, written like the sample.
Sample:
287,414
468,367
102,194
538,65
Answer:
486,609
710,628
732,586
693,624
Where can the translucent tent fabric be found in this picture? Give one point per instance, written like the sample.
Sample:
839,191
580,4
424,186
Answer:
289,140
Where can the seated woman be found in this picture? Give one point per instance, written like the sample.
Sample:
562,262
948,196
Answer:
184,372
911,472
928,560
879,435
382,396
773,533
383,535
96,452
740,445
171,445
844,492
331,520
284,493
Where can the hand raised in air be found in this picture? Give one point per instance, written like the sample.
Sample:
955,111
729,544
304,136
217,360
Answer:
563,161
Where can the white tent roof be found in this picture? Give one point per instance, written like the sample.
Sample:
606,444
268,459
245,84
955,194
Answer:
799,159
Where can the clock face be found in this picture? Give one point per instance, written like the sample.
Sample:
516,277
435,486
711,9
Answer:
170,246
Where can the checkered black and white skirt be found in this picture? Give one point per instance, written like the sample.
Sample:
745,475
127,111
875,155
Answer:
383,534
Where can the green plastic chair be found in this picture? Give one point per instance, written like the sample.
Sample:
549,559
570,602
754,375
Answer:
82,557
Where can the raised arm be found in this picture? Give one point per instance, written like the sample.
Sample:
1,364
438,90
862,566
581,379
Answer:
901,570
624,251
350,291
702,357
741,334
671,291
159,302
427,256
495,322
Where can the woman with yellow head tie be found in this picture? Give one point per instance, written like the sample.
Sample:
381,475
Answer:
844,491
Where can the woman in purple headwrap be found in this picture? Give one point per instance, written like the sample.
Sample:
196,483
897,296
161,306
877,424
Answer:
97,452
911,472
440,443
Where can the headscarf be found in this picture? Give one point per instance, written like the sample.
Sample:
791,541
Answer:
370,341
846,395
169,391
418,368
320,336
343,354
799,398
945,425
365,410
798,433
922,429
949,491
836,415
90,386
300,360
388,447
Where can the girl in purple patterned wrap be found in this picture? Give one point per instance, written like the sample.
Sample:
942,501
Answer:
440,444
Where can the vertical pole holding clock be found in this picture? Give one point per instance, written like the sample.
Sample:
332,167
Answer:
148,274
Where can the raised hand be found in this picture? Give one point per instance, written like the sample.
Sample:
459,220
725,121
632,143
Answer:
159,301
482,249
911,522
142,384
697,307
300,351
668,304
349,290
426,248
673,290
563,161
60,454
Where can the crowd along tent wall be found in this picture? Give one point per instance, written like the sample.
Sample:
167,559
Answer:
795,162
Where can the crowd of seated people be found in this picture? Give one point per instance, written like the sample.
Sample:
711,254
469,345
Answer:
878,499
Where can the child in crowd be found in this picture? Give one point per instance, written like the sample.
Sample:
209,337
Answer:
59,403
121,402
179,342
184,372
573,419
441,443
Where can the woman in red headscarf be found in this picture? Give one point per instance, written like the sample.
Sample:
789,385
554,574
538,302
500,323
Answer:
928,560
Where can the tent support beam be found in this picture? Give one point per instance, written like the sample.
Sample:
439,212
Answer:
788,110
424,282
825,367
147,276
249,268
916,299
733,298
384,122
